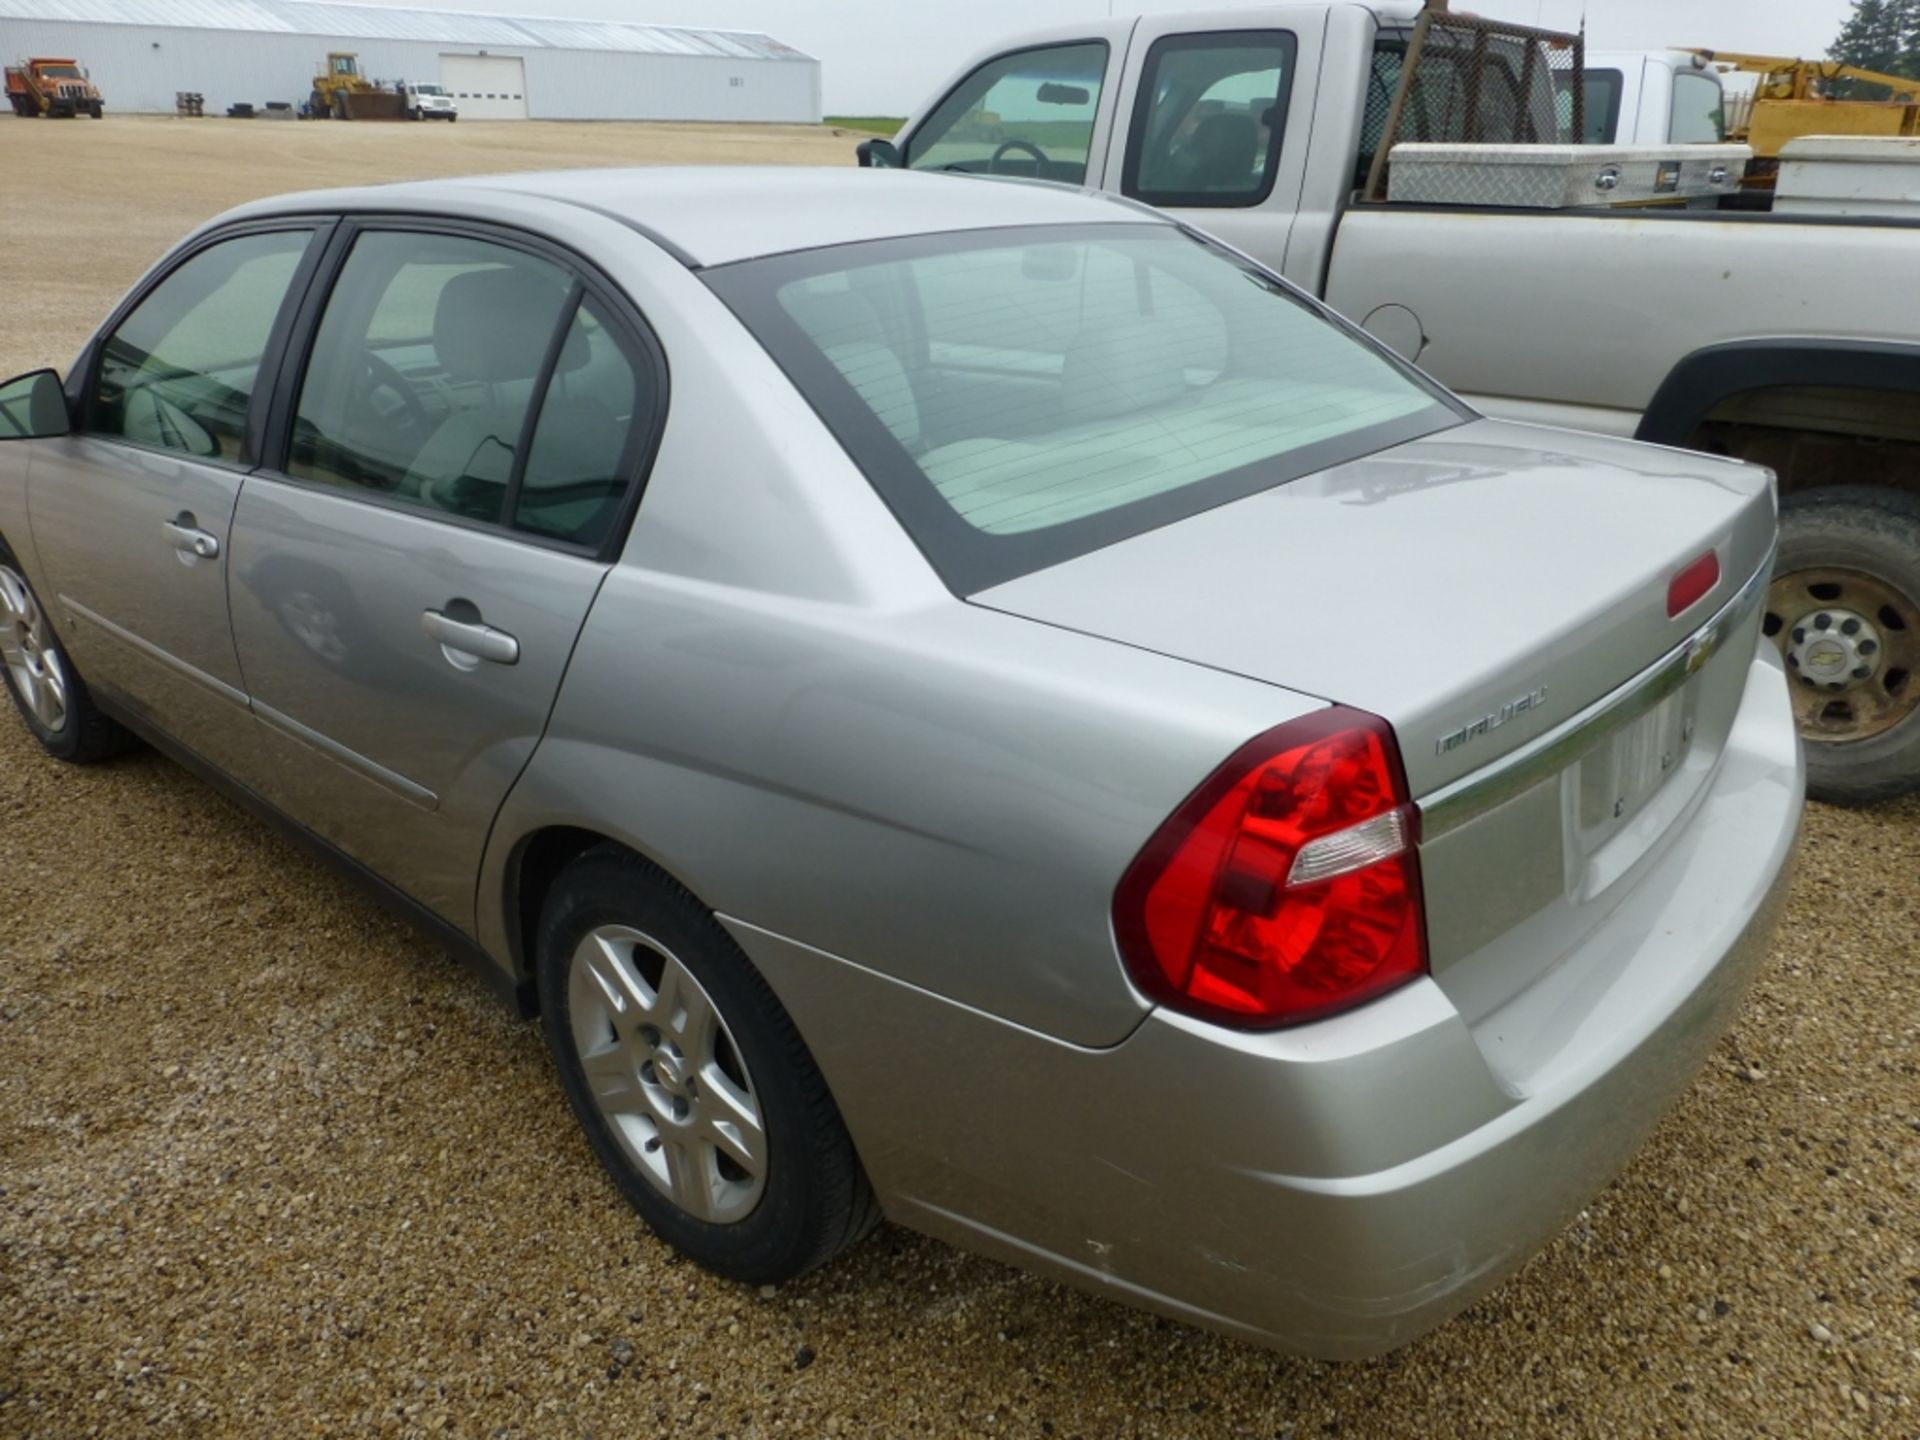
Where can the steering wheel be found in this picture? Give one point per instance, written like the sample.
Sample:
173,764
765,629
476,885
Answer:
1039,160
404,416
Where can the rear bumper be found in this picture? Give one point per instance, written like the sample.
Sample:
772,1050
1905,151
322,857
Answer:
1341,1188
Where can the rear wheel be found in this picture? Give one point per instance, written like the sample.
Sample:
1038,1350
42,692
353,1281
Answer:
47,690
689,1078
1844,609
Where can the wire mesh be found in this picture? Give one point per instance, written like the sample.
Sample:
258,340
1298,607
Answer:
1467,80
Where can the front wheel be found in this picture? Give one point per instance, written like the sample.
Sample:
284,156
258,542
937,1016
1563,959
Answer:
1844,609
690,1080
95,111
47,690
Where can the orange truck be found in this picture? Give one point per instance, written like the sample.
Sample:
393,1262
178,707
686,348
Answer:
54,88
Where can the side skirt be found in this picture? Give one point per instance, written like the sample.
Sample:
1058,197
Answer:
518,996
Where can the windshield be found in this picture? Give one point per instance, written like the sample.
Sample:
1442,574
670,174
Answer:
1019,397
428,90
61,72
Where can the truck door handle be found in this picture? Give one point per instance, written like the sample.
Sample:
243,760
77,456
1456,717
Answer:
189,539
470,638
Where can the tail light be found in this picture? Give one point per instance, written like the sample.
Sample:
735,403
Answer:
1286,888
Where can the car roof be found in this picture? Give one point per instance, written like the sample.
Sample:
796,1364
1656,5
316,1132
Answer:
714,215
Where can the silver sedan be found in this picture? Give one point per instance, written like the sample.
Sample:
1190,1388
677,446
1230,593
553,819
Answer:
955,700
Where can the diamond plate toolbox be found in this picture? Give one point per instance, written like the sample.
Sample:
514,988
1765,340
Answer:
1557,177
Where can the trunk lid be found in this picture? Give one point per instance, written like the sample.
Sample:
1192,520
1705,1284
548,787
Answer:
1476,588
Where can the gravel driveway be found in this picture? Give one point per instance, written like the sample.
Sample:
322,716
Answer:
271,1166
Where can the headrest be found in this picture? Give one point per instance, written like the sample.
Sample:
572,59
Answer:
1116,369
876,374
494,325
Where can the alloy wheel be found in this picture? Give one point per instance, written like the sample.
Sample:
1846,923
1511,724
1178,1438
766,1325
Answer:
30,654
666,1075
1852,646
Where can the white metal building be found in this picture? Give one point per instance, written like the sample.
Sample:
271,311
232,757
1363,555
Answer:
141,52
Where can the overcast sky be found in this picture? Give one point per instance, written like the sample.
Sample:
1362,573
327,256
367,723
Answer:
881,57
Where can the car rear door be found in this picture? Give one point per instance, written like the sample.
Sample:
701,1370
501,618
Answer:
130,512
456,448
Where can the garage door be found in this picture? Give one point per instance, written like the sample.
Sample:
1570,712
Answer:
486,87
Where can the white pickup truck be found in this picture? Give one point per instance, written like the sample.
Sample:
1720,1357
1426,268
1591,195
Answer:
1786,339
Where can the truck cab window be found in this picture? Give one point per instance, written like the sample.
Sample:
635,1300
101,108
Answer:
1208,122
1699,115
1029,113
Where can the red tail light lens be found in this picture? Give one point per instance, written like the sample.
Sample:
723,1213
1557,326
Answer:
1691,585
1286,888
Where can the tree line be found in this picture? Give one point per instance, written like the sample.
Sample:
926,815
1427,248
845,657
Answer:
1881,35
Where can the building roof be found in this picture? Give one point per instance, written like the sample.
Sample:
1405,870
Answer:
381,22
715,215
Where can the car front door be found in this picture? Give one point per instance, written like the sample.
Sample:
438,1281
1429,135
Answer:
130,512
451,468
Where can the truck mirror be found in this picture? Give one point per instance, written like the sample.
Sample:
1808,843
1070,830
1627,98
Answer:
33,407
1054,93
877,155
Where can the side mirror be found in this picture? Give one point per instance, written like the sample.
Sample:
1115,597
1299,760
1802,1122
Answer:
878,155
33,407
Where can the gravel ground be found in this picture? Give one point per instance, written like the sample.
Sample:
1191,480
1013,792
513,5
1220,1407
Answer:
270,1165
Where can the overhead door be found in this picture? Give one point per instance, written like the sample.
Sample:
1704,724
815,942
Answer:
486,87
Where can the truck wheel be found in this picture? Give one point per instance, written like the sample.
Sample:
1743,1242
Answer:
94,110
1844,608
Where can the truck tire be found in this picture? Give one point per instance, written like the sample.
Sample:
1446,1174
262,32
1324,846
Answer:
1844,609
95,110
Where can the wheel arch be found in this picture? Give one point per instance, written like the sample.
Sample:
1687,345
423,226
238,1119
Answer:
1714,374
533,863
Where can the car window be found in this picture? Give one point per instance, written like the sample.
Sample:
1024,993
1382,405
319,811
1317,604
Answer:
424,368
1207,125
1030,113
179,372
1699,114
1022,396
579,461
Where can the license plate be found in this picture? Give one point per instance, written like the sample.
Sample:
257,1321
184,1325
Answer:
1626,769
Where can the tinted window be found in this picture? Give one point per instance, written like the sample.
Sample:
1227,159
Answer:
1029,113
1207,127
1698,116
578,464
179,372
424,369
1022,396
1600,104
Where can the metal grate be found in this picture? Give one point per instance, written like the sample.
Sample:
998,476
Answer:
1462,79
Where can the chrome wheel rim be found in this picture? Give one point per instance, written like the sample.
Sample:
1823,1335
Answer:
1852,647
666,1076
29,653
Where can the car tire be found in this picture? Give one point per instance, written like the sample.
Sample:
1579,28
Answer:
1850,556
46,688
670,1046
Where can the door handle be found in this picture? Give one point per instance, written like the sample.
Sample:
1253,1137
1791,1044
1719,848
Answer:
189,539
471,638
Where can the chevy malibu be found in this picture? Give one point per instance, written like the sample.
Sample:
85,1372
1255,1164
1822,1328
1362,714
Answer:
955,700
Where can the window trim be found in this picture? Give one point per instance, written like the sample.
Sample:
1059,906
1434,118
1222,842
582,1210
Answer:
625,322
1143,106
83,385
1106,65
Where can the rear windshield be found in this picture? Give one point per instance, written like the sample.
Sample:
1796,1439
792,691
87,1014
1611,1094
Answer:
1019,397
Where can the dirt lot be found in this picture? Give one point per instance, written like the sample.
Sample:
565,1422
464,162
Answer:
269,1165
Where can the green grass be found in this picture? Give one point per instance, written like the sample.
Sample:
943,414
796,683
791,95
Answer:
874,124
